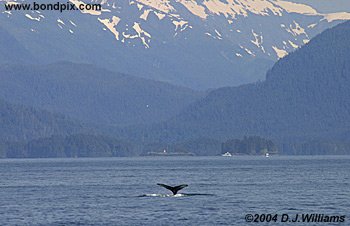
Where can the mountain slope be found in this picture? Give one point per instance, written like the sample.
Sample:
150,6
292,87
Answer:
306,96
18,53
20,123
28,132
77,145
91,94
186,42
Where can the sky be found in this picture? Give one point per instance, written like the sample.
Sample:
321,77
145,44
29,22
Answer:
327,6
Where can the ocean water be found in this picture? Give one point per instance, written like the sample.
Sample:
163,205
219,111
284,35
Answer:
123,191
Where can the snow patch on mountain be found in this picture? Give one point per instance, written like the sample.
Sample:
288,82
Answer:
32,18
258,41
337,16
232,10
160,5
295,46
145,14
110,24
194,8
143,35
77,3
295,29
234,33
292,7
60,21
180,24
280,52
72,23
248,51
160,15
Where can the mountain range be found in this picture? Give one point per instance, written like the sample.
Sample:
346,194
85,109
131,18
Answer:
52,108
305,98
164,39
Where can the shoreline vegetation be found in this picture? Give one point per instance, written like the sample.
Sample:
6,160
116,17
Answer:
81,145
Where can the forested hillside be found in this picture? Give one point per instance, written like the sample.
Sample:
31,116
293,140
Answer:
18,52
24,123
249,146
94,95
78,145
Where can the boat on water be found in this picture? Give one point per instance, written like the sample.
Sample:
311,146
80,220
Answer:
167,153
267,155
227,154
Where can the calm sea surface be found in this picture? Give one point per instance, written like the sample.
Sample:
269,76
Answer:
123,191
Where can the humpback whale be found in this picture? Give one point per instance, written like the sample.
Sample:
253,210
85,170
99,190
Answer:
175,189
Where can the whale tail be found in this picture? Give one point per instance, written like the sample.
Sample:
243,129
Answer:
175,189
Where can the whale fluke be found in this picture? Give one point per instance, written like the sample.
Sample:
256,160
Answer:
175,189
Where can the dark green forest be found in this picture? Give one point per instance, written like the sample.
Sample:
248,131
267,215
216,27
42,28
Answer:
20,123
253,145
79,145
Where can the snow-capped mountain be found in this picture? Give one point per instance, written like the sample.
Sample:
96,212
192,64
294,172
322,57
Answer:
196,43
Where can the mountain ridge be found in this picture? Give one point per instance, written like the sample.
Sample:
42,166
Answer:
93,95
242,40
305,97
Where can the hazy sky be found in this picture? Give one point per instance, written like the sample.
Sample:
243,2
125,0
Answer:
327,6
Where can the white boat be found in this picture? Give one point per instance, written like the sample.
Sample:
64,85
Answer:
227,154
267,155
